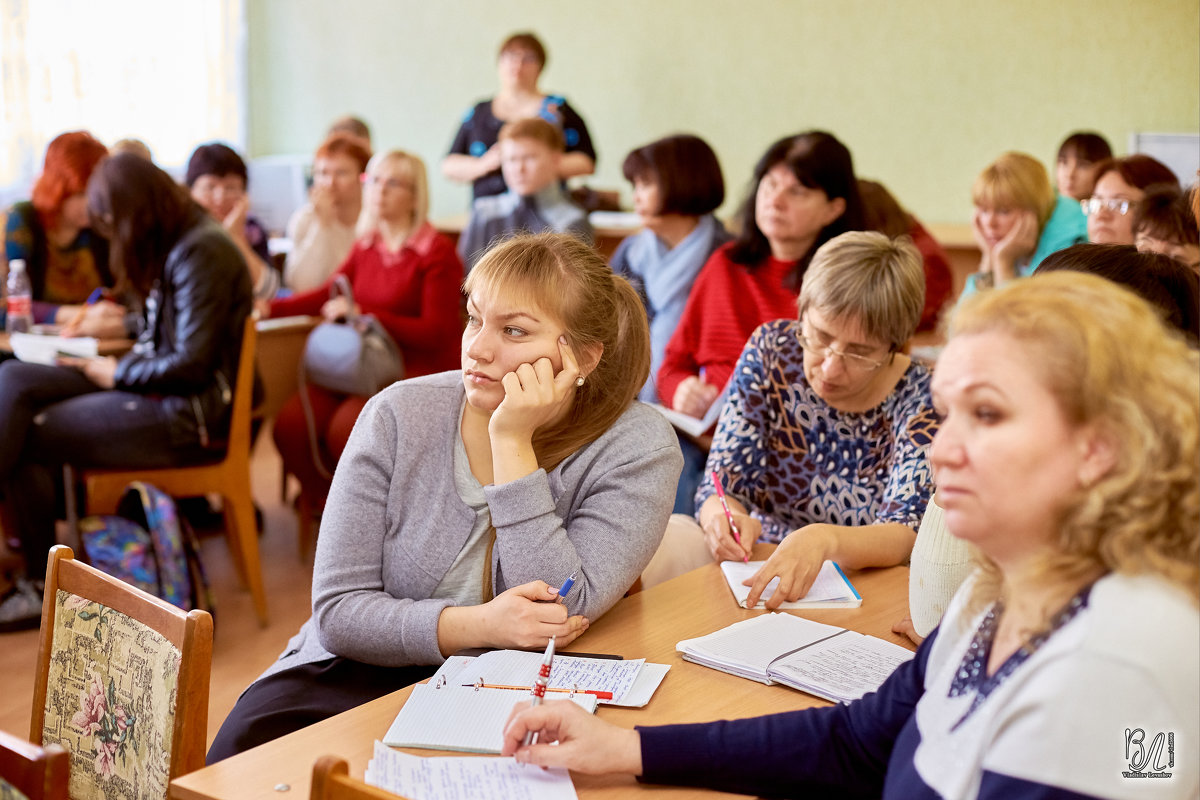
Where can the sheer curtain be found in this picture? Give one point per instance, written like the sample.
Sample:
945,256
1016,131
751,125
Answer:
172,74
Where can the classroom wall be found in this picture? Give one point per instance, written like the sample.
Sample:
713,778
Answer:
925,93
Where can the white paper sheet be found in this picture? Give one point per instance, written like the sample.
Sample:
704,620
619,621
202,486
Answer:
830,590
36,349
519,668
450,778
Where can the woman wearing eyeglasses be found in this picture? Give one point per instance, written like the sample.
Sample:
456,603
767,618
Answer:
403,272
1018,220
1121,184
821,444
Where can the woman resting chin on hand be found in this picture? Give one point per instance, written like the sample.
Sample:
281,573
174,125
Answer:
464,498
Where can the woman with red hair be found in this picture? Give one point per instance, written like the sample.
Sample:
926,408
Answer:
66,261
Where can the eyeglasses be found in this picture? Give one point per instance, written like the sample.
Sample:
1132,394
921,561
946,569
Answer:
851,361
1093,204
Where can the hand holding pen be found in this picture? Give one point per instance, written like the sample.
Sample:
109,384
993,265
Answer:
729,532
539,685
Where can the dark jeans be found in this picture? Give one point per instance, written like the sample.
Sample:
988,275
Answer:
50,416
694,459
298,697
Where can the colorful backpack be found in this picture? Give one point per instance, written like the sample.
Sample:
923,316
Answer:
148,545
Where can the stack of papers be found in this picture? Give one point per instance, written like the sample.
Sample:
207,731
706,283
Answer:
465,778
36,349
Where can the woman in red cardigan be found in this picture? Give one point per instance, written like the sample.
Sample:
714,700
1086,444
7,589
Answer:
804,194
403,272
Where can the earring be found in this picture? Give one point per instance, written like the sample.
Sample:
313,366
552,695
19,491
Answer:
579,381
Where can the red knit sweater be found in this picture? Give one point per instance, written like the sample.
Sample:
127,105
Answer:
726,304
414,293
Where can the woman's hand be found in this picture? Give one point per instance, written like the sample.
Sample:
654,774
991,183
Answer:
339,307
796,562
324,209
103,320
101,371
1019,243
523,617
235,221
534,396
718,535
693,397
584,743
905,627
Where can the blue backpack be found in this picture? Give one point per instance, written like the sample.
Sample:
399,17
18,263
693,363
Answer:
148,545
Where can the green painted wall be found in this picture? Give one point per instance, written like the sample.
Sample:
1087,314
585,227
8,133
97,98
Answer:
923,93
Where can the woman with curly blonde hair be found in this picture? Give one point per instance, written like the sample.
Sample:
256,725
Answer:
1069,457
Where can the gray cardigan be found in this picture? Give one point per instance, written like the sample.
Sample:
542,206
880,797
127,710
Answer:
394,523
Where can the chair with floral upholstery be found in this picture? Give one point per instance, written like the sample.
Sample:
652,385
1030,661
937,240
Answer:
331,781
121,683
29,772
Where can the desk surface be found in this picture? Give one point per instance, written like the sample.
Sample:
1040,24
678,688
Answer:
647,624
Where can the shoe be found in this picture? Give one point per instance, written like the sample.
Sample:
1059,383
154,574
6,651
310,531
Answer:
21,608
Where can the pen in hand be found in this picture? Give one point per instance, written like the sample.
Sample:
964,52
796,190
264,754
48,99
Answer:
566,587
539,686
737,535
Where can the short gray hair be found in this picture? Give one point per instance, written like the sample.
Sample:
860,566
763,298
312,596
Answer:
866,276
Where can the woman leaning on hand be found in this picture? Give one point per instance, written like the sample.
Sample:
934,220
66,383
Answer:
1067,666
464,498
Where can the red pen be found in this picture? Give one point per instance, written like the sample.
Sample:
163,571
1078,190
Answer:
737,535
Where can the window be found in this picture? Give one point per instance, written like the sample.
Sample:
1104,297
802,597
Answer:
169,73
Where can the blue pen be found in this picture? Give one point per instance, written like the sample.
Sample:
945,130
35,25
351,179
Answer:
95,296
566,587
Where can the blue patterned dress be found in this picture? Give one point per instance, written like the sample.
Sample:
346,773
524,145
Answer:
794,461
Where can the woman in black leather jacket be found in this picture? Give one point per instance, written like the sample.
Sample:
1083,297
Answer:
162,404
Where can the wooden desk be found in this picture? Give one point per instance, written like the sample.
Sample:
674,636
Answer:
105,347
647,624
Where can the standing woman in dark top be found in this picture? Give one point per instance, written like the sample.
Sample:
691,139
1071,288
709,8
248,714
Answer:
160,405
65,259
474,157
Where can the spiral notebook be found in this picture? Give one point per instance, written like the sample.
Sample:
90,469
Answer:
464,718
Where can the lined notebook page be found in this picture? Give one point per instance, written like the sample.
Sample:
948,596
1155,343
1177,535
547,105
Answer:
829,588
518,668
451,778
843,668
753,644
457,718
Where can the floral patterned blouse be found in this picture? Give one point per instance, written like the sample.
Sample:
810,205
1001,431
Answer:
794,461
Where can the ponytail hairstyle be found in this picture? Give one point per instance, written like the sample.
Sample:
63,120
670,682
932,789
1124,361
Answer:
568,280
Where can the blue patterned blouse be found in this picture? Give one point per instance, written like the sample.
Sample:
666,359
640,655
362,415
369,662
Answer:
793,460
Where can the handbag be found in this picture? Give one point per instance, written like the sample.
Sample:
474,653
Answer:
352,357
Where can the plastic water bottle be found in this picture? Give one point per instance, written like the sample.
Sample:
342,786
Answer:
20,299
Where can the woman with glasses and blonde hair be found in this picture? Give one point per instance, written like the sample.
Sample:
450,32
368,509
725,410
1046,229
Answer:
404,273
1019,220
821,444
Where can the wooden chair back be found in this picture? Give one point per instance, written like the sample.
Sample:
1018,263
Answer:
37,773
228,477
331,781
190,633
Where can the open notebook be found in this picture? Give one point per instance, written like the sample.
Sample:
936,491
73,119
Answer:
831,589
823,660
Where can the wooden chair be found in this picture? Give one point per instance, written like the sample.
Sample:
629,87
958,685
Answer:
331,781
121,681
229,477
37,773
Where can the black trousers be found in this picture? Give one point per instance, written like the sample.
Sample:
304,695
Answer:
296,698
50,416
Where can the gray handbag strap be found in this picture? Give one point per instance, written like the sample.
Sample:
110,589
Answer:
341,286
